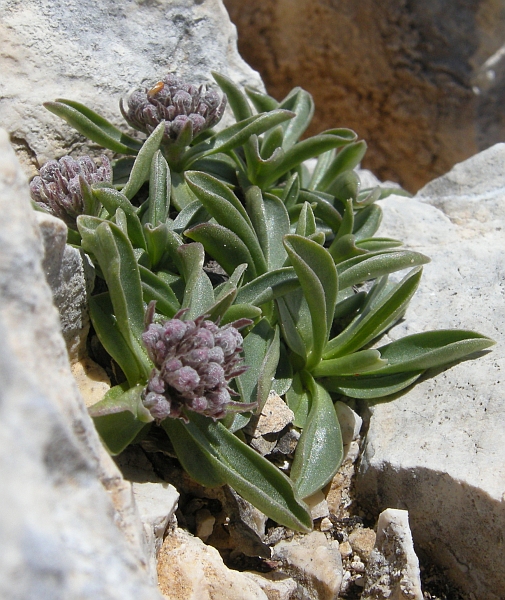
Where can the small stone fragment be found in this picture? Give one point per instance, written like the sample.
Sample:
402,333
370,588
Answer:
362,541
189,569
393,567
317,505
326,524
313,563
205,522
345,549
274,417
350,422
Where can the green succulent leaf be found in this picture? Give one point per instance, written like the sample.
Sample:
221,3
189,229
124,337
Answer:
307,149
159,191
157,240
261,354
241,311
345,248
306,224
236,98
374,264
430,349
318,279
298,400
192,214
224,246
347,159
269,286
367,221
181,195
375,318
199,294
120,416
112,199
247,472
300,102
115,256
370,387
323,208
358,362
319,452
378,244
345,186
262,102
93,126
155,288
142,165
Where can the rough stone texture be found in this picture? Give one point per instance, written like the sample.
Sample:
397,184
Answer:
436,451
95,53
277,586
91,379
69,527
393,568
422,82
190,570
157,503
314,563
71,277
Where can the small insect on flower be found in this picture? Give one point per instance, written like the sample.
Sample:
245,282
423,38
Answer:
194,363
157,87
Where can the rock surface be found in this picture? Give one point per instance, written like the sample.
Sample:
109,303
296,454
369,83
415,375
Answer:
421,82
392,571
69,527
436,450
95,53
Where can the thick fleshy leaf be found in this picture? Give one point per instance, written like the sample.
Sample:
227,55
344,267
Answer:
224,246
269,286
181,195
261,355
322,207
375,318
345,247
192,214
301,103
307,149
155,288
291,191
306,224
323,162
237,135
319,452
318,279
271,222
159,191
120,417
369,266
142,165
298,400
112,199
369,387
367,221
117,262
346,185
236,98
199,294
431,349
377,244
358,362
241,311
157,241
93,126
347,159
272,140
247,472
289,321
226,208
262,102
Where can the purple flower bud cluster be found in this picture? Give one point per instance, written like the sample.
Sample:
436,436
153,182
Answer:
177,103
58,187
194,362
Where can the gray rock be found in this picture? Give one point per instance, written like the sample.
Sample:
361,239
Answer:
95,53
422,82
436,451
69,527
314,563
71,276
392,571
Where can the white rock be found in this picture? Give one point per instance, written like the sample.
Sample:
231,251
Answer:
313,563
392,571
350,426
95,53
69,527
71,276
157,503
190,570
436,450
276,585
91,379
317,505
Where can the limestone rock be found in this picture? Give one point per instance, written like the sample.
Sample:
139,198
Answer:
95,53
71,276
435,451
276,585
69,527
314,563
91,379
190,570
393,568
421,82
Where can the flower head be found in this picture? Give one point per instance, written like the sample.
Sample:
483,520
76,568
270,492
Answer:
59,186
181,105
194,362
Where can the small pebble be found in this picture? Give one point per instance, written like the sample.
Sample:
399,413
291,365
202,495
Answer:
357,566
325,524
345,549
